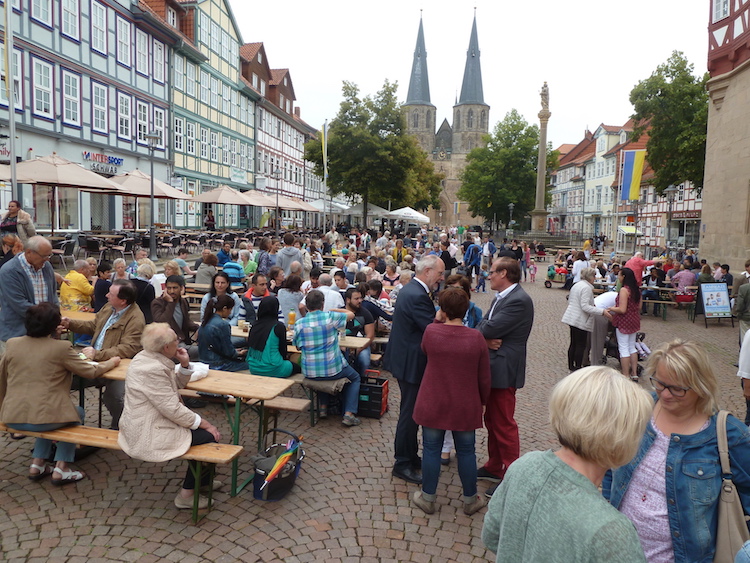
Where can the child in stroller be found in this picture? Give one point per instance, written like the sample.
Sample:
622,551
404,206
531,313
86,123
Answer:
612,351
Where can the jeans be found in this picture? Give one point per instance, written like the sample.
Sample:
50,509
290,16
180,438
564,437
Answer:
350,393
523,269
362,361
43,447
650,294
432,444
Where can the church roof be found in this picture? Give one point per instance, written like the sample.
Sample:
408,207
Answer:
419,84
471,89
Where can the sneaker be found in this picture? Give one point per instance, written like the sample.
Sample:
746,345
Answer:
216,486
477,504
482,473
428,507
187,503
488,493
350,420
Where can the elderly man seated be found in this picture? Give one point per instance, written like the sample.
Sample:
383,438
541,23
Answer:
317,337
116,331
76,295
172,309
156,425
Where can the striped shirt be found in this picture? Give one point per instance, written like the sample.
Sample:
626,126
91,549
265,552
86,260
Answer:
316,335
37,279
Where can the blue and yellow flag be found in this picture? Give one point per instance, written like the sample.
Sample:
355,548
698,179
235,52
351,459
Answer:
632,169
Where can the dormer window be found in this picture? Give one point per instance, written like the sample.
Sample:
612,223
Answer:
172,17
260,58
720,10
623,137
601,144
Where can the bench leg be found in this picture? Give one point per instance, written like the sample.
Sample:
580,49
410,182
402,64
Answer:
196,467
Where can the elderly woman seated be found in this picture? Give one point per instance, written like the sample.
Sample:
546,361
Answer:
35,377
267,352
155,424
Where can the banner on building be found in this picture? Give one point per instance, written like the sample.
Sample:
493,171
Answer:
632,170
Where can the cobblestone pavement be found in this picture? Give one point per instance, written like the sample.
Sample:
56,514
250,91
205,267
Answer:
345,505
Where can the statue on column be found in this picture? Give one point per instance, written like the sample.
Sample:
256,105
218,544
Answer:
545,96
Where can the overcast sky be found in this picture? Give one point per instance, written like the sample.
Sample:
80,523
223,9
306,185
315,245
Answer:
590,52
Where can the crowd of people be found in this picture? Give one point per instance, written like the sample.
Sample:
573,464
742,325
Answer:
636,477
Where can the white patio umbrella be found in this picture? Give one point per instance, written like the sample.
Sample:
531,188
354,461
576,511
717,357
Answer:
138,184
409,213
5,175
224,195
372,210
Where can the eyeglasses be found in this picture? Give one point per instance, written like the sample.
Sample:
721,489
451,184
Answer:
675,390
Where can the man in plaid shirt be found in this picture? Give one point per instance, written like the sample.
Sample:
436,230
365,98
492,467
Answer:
316,336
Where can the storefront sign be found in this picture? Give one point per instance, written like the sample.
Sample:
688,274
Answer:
102,163
686,215
238,175
4,151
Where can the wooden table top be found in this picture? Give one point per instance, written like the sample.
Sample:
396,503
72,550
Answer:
344,342
204,287
78,315
241,385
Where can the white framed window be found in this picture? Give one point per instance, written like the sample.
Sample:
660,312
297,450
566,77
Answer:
123,41
225,40
16,78
100,107
233,104
190,79
250,112
254,81
179,72
234,152
260,57
171,16
158,61
141,116
262,87
215,93
190,138
721,10
205,28
204,142
281,101
225,98
214,146
71,95
159,121
141,52
43,85
98,27
124,116
215,37
205,86
70,13
225,154
41,11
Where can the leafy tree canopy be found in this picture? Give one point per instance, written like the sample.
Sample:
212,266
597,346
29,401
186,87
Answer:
671,106
504,171
371,156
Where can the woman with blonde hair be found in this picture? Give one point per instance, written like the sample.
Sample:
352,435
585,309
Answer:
548,507
670,490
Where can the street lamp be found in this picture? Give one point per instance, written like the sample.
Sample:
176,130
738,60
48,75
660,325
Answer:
277,174
153,138
511,206
670,192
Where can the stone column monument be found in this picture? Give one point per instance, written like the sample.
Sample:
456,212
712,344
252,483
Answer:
539,214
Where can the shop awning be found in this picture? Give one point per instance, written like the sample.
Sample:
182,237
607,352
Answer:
629,231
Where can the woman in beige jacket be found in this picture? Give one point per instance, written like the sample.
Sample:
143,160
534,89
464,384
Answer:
17,222
155,424
35,378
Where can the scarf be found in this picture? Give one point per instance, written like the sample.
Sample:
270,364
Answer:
268,318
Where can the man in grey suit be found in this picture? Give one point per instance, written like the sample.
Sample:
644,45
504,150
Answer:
406,361
506,327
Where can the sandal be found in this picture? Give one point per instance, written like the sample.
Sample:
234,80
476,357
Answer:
44,470
67,477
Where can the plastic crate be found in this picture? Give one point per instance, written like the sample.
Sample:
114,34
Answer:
373,395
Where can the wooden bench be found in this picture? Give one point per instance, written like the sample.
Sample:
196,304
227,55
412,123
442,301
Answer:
210,454
660,302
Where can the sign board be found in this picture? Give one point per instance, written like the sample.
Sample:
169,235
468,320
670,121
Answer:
238,175
715,298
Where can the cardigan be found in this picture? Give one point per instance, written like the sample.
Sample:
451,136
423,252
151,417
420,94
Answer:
581,309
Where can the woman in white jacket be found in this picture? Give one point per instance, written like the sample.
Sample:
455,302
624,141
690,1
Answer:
580,316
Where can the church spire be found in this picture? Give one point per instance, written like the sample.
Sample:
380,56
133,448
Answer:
419,84
471,89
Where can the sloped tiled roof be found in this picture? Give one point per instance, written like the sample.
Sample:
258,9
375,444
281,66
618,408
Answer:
580,152
249,51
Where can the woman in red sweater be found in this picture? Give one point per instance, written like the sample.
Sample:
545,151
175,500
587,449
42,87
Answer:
455,385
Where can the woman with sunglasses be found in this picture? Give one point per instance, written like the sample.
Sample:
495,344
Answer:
670,490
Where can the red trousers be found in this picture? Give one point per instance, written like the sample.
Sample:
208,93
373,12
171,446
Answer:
503,442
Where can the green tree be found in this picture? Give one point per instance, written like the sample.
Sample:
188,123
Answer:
371,156
504,171
671,106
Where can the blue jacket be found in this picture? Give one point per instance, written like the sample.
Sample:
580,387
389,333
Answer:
215,346
223,257
473,255
693,480
17,295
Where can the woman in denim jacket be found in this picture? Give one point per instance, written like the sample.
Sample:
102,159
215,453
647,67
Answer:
670,490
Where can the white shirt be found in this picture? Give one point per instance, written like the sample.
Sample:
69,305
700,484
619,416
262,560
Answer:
333,299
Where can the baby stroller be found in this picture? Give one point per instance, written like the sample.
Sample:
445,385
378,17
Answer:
612,351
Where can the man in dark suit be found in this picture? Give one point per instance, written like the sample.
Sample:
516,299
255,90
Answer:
506,327
406,361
